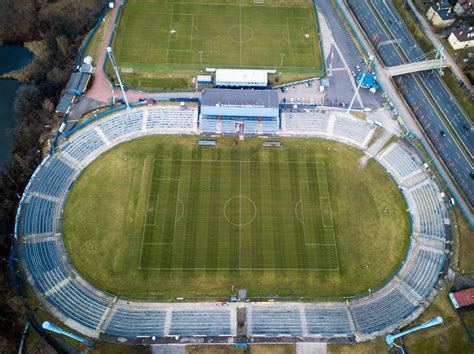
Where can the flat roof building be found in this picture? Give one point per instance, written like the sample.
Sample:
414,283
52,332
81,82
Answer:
241,78
78,82
64,104
462,298
462,38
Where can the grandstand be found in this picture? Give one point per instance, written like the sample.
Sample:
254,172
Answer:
239,112
93,312
344,128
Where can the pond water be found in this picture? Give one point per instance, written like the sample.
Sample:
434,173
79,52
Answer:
12,57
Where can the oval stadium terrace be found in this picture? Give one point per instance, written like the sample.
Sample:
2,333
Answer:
95,313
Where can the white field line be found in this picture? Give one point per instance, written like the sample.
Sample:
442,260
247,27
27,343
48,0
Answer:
147,206
330,211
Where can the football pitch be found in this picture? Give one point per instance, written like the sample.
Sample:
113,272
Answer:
192,34
244,211
162,216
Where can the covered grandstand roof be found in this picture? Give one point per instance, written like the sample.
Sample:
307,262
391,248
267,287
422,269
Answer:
239,111
240,98
241,77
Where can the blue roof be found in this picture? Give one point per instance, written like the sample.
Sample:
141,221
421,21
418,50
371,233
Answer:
368,79
239,111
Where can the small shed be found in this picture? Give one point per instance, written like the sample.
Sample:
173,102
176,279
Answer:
462,298
204,79
242,294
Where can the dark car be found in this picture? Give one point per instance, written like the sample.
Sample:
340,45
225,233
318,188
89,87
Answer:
471,174
466,127
442,133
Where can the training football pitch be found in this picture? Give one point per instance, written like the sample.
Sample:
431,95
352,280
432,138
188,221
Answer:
157,215
192,34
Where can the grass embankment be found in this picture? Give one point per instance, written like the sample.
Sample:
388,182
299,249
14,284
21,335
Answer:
97,41
252,349
191,240
463,99
448,337
465,243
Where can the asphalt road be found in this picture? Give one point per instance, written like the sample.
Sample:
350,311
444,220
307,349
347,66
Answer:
438,90
339,90
412,89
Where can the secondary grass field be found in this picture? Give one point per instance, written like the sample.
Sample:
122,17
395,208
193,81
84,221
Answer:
162,39
163,216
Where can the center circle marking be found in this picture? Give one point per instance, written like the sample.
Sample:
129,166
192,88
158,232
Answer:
238,202
240,33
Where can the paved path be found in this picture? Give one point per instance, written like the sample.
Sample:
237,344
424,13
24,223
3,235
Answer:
101,89
311,348
168,349
433,37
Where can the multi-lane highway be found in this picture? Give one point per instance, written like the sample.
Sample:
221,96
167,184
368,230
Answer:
438,90
425,92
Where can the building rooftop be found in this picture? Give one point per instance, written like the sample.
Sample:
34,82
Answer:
241,76
444,10
240,98
77,83
462,298
464,34
466,4
64,103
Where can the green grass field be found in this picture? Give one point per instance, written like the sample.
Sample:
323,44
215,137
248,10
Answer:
160,39
162,216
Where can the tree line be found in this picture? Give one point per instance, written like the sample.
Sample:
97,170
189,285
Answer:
59,27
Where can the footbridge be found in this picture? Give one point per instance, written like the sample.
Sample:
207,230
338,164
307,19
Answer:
435,64
434,60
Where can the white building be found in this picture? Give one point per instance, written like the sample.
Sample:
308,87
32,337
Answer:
462,38
241,78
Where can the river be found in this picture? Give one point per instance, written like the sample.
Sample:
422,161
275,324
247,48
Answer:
12,57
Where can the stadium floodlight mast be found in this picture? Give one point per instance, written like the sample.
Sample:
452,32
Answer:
53,328
115,66
366,70
390,338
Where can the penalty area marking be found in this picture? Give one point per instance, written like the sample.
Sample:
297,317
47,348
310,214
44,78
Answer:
176,217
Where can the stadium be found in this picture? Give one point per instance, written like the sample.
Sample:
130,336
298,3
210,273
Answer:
250,206
96,313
